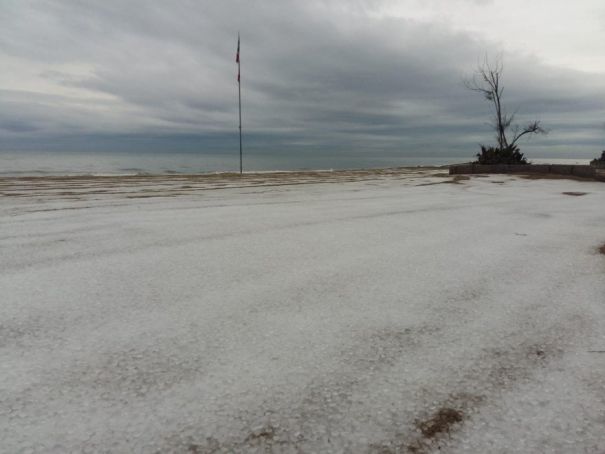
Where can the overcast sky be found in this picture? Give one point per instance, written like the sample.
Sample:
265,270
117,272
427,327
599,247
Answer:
362,75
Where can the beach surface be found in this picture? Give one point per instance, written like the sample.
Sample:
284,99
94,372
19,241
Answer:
387,311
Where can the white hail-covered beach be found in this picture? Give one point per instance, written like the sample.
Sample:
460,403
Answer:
366,312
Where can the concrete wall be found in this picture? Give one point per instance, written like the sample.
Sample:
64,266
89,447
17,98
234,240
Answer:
557,169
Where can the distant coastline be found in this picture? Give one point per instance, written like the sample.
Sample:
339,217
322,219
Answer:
33,163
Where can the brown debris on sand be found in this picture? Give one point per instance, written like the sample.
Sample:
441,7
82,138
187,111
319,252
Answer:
441,422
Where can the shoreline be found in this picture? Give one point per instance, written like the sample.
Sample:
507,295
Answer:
104,187
145,186
58,168
171,174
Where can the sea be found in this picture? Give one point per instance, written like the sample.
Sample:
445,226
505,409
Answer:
58,163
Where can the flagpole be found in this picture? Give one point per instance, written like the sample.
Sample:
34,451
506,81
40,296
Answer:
239,87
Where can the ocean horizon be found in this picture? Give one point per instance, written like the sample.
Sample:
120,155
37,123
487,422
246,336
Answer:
59,163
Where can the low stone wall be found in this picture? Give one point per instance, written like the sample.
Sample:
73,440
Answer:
581,171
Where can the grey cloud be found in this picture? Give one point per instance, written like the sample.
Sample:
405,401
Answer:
320,74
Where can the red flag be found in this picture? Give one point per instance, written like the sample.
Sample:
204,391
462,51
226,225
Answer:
237,57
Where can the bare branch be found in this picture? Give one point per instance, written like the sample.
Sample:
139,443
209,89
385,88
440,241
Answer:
487,81
532,128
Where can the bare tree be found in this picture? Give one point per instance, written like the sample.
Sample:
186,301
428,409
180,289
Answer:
487,81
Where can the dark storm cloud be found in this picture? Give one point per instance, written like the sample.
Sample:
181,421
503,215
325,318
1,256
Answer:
314,75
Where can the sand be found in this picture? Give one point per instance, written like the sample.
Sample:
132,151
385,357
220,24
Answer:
373,311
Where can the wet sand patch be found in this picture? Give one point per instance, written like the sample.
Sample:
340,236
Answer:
457,179
574,193
171,185
552,176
